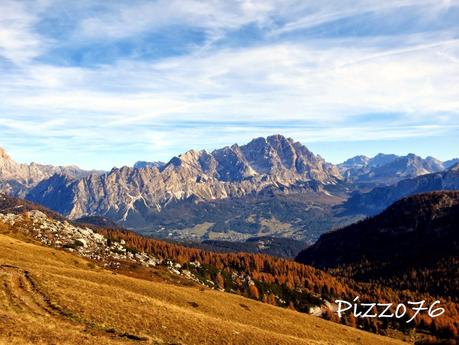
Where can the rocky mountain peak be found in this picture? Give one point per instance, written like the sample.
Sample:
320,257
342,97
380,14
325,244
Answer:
191,157
3,154
449,163
192,163
278,154
382,159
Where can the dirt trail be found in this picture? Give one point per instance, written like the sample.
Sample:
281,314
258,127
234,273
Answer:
21,294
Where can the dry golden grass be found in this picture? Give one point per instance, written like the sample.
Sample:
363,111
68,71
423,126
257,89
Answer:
52,297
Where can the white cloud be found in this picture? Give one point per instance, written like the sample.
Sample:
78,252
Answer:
18,41
234,93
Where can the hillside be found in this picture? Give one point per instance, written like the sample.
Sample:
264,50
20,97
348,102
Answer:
270,280
417,236
48,297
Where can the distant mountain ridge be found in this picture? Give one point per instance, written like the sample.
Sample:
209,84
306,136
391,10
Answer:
449,163
386,169
131,194
379,198
16,179
271,186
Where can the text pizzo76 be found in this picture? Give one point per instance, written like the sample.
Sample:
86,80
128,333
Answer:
387,310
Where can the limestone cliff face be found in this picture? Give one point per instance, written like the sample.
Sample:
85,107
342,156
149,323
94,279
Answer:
131,194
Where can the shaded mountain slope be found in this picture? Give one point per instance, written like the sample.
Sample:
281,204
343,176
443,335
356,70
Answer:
417,234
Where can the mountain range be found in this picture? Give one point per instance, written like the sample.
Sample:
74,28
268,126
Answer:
136,197
386,169
271,186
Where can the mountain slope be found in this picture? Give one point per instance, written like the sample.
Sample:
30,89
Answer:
381,197
270,280
417,233
48,297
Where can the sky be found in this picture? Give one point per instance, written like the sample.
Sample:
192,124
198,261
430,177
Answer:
107,83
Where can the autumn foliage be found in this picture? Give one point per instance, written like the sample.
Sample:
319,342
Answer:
290,284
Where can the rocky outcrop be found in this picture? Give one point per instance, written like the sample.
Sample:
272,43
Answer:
82,240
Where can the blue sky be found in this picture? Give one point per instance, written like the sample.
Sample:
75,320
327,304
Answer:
107,83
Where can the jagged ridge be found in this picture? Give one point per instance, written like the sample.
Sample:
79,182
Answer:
131,195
